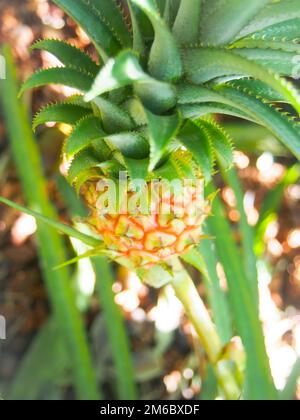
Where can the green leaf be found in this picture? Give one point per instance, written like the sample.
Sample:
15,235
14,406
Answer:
258,89
114,322
84,133
116,329
131,144
192,94
280,62
59,76
205,261
136,110
221,142
138,38
137,168
114,118
48,357
162,130
272,14
196,111
125,70
61,227
222,21
83,162
284,128
247,232
194,138
171,10
89,18
64,113
260,384
290,389
156,96
164,62
114,18
187,24
205,64
288,30
51,246
265,44
67,54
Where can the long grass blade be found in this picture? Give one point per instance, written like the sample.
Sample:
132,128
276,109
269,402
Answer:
47,357
60,227
50,244
246,230
289,391
115,326
205,261
260,385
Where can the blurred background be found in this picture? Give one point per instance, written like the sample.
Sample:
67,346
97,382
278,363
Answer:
161,340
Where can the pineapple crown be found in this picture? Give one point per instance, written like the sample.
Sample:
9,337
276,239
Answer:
164,67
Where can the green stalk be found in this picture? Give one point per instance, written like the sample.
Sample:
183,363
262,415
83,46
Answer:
187,293
205,261
118,340
260,384
50,244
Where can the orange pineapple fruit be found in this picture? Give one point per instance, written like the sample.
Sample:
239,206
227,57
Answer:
143,240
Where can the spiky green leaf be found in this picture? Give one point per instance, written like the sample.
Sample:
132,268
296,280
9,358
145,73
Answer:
280,125
67,54
221,142
164,62
132,145
195,111
195,139
85,132
125,70
162,130
89,18
222,21
83,162
137,168
61,227
187,24
288,30
114,118
111,14
206,64
280,62
259,89
70,77
138,38
64,113
274,13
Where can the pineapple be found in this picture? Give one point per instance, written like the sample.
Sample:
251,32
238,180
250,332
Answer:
170,225
144,107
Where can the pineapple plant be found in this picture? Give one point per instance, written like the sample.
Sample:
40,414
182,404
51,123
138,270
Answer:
144,109
163,67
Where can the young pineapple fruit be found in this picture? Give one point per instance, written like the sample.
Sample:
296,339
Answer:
169,226
163,67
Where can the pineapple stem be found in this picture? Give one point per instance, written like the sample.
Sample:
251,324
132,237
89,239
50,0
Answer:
188,295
